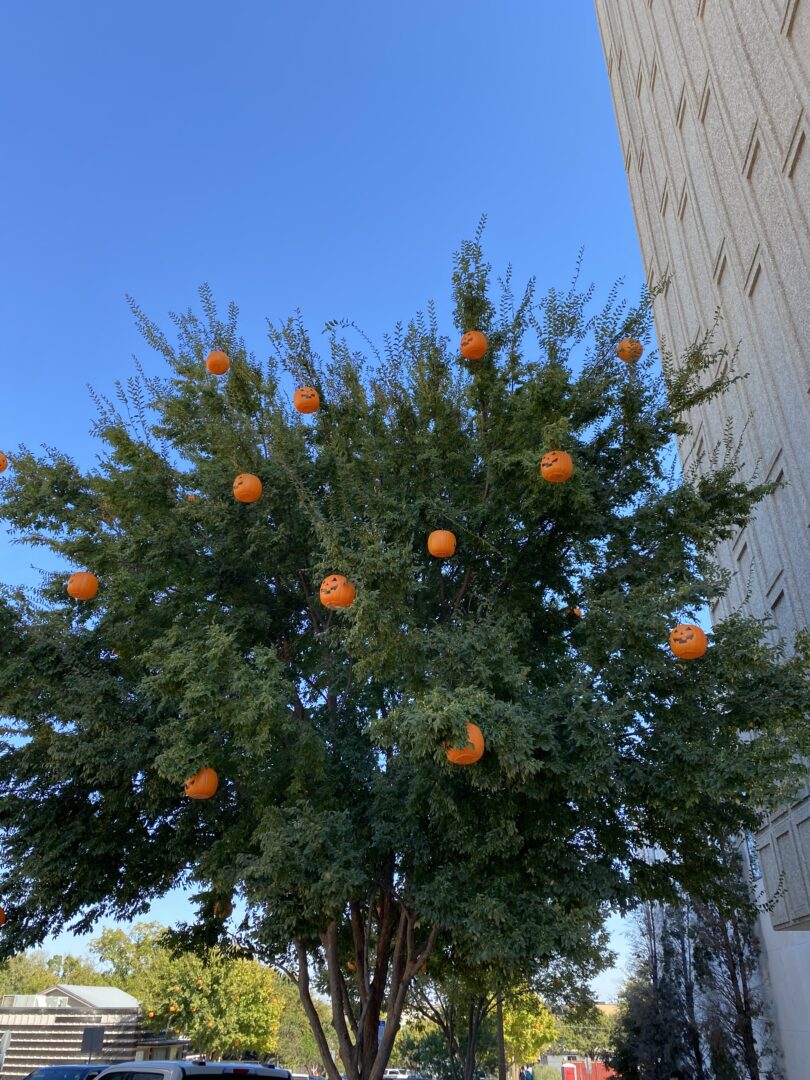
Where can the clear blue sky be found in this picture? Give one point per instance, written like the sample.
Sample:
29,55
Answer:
316,155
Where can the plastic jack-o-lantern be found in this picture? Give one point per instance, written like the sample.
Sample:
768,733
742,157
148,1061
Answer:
557,466
3,462
629,350
306,399
472,752
192,497
151,1014
247,488
337,592
82,586
217,362
688,641
441,543
223,909
572,612
2,916
473,345
202,785
351,966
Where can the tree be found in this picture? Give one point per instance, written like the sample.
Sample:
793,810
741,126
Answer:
339,819
529,1028
33,972
589,1031
224,1003
725,970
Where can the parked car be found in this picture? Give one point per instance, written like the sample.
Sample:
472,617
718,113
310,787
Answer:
68,1071
179,1070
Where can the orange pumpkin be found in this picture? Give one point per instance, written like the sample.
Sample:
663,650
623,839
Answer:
472,752
2,916
191,497
247,488
3,462
210,1024
82,586
441,543
629,350
572,612
217,362
306,399
337,592
473,345
351,966
151,1014
202,785
688,641
222,910
557,466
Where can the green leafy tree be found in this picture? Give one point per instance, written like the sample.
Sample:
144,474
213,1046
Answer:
339,818
225,1004
33,972
529,1028
587,1030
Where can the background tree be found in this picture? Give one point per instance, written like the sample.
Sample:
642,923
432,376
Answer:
339,818
225,1004
588,1030
33,972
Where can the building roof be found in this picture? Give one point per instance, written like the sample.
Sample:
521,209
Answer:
97,997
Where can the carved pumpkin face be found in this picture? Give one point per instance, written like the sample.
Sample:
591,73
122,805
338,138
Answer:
306,399
556,466
472,752
441,543
337,592
572,612
688,641
217,362
202,785
3,462
82,586
473,345
629,350
247,488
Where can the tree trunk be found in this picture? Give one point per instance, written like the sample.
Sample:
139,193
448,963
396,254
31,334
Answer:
501,1043
693,1031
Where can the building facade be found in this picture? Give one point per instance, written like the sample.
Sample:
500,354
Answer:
712,100
49,1029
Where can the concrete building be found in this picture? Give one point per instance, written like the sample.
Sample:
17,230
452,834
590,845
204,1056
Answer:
712,100
48,1029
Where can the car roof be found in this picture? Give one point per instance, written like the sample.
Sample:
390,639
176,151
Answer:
192,1068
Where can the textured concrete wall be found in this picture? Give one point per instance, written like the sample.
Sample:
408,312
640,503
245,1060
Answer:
712,101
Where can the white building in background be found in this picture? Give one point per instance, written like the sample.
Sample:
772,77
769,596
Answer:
52,1027
712,100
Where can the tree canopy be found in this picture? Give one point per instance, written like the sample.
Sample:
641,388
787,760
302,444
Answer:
357,845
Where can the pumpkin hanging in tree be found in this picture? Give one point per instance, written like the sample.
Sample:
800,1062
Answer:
473,345
82,585
441,543
306,399
247,488
217,362
557,466
3,462
202,785
470,753
337,592
629,350
688,641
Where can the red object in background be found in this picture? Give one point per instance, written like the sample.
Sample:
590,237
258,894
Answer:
578,1070
574,1070
600,1071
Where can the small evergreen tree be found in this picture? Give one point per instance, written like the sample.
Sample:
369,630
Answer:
339,818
